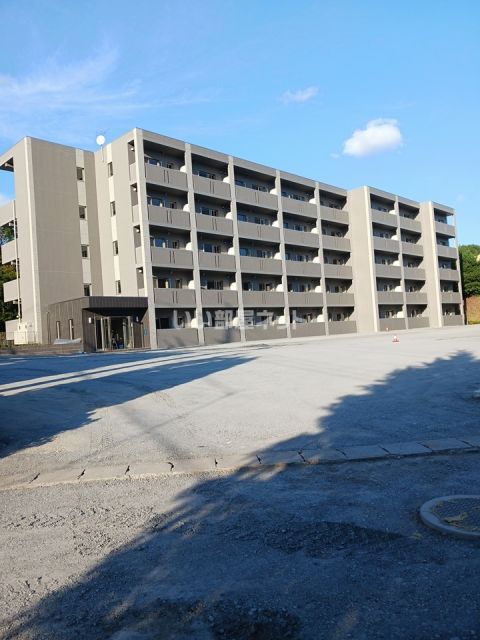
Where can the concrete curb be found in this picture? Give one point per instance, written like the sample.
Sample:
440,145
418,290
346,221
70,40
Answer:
431,520
248,462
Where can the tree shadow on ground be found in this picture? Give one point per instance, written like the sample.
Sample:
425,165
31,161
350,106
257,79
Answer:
123,378
309,552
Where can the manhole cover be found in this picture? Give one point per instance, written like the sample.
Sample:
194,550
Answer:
456,515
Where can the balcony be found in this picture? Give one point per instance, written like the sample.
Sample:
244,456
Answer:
295,268
258,232
338,271
301,238
163,216
342,326
335,243
392,324
386,244
208,187
412,249
388,271
451,297
225,298
10,290
216,261
340,299
309,299
387,219
156,174
7,212
414,273
452,321
451,275
389,297
163,257
329,214
416,297
211,224
410,225
249,264
306,329
299,207
263,299
447,252
9,252
419,322
445,229
256,198
174,298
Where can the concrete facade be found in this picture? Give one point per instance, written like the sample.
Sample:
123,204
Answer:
222,249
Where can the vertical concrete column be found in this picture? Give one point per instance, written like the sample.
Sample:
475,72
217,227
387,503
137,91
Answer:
194,241
322,259
286,310
400,258
236,247
430,264
460,290
363,260
145,234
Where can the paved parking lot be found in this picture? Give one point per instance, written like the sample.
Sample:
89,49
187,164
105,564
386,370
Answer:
125,408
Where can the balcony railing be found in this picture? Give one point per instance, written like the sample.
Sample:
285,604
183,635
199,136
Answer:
387,219
264,299
258,231
386,244
341,271
336,243
216,261
451,297
257,198
301,238
10,290
166,177
445,229
295,268
390,297
305,299
212,224
173,298
299,207
225,298
416,297
7,212
388,271
447,252
414,273
164,257
175,218
207,186
412,249
392,324
250,264
9,252
340,299
449,274
329,214
410,225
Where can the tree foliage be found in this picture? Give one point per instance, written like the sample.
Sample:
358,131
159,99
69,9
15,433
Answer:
470,267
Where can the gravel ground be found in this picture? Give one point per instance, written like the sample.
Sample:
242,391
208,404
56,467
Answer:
333,551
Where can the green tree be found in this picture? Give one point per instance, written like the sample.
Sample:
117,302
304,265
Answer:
8,310
470,268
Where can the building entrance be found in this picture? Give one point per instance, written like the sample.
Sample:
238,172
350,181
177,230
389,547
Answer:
117,332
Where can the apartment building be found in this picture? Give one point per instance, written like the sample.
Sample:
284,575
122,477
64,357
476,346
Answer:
154,242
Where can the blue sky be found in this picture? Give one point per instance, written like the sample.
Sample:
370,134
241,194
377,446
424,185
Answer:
346,92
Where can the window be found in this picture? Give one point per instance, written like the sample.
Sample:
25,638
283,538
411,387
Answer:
242,217
240,183
244,252
115,247
113,208
70,329
110,169
178,284
57,329
82,212
118,287
80,173
259,187
87,289
84,250
205,174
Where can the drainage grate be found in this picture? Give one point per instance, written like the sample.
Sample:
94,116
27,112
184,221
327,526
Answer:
457,515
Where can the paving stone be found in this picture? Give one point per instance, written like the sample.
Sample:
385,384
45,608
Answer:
363,452
472,440
280,457
405,448
317,456
445,444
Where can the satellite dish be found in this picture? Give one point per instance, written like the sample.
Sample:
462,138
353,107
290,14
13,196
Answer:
100,140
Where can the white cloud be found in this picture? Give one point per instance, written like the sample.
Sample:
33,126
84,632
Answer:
301,95
70,102
379,135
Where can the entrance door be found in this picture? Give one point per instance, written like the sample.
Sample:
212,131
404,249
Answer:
121,332
102,334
